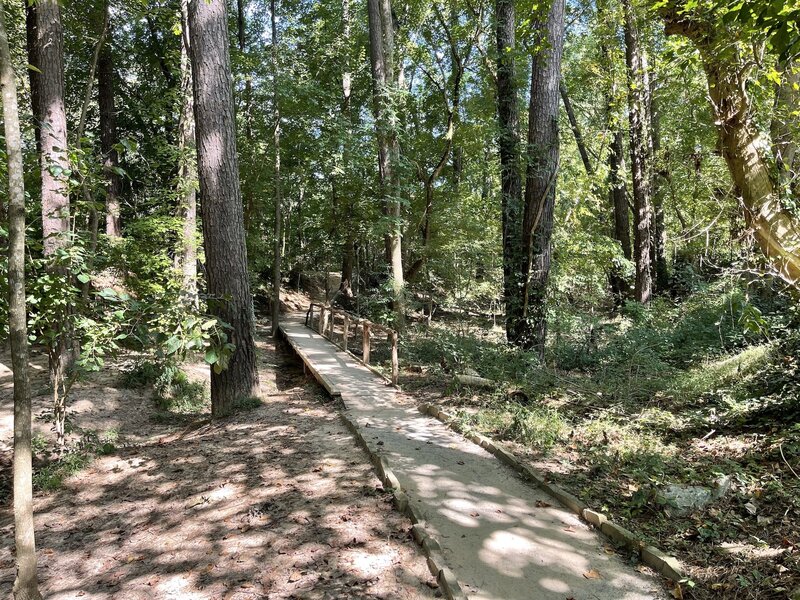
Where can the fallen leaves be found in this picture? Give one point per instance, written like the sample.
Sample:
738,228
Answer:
592,574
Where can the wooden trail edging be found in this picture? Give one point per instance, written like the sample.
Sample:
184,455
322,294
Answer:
390,435
325,327
665,565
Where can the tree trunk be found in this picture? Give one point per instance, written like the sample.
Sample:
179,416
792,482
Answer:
381,50
640,159
576,131
348,251
108,135
618,193
26,585
510,179
31,37
659,231
276,264
221,201
542,171
187,184
62,351
775,229
55,198
783,126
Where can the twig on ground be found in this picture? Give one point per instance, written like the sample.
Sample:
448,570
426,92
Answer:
780,447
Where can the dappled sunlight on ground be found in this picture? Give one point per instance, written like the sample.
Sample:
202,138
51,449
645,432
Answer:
276,503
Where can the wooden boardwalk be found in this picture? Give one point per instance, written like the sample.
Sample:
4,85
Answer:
503,538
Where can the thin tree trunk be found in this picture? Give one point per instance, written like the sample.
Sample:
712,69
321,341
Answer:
31,37
576,130
637,115
108,134
618,193
241,31
187,184
542,172
221,201
26,585
276,264
775,229
348,252
514,281
659,231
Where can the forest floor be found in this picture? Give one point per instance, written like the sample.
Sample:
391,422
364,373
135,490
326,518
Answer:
648,406
273,502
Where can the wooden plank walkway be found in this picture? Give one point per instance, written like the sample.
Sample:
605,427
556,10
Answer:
503,538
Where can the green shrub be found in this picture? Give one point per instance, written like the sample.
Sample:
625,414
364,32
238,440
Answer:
537,427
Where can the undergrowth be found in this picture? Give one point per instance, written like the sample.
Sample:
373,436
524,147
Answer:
174,394
76,457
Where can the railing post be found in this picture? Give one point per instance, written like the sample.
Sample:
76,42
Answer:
365,343
395,361
333,322
346,331
310,316
323,320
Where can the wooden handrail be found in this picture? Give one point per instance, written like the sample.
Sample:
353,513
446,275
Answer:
325,324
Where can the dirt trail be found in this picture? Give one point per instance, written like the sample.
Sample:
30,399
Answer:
276,502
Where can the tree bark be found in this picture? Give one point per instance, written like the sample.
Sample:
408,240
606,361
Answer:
31,37
187,184
659,231
108,133
26,584
783,126
348,251
618,193
510,178
62,351
53,119
542,171
640,159
221,201
276,261
381,50
576,130
774,228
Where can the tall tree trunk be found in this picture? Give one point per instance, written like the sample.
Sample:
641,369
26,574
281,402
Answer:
348,252
576,130
276,260
618,193
783,128
618,199
640,159
514,281
108,134
26,585
241,31
221,201
659,231
241,37
542,171
31,37
55,196
187,184
53,119
381,50
775,229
